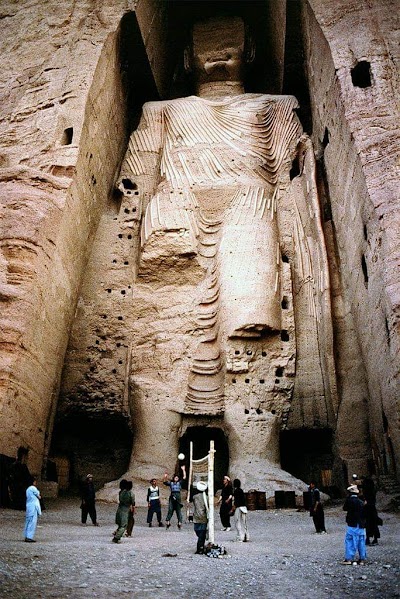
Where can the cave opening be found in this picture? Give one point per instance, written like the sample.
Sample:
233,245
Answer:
201,436
99,445
308,455
361,74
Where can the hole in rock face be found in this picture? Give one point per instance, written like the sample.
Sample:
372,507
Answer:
295,170
284,335
279,371
285,303
128,184
387,330
361,74
325,140
364,269
67,136
285,258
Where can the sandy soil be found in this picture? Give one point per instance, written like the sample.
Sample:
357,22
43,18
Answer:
285,558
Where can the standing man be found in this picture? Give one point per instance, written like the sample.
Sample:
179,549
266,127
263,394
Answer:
200,515
316,509
355,532
88,505
174,502
153,503
225,502
33,511
239,503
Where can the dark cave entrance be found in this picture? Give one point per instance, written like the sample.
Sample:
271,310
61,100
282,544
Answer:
99,445
201,437
308,455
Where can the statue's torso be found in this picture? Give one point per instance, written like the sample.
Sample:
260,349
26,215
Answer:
240,140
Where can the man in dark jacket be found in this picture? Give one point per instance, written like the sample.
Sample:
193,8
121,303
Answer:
355,533
316,509
200,514
88,505
239,503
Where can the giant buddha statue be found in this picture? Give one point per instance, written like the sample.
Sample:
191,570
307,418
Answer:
223,183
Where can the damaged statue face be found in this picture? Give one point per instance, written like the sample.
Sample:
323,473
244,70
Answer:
218,47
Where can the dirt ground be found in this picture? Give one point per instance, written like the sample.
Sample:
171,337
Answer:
284,558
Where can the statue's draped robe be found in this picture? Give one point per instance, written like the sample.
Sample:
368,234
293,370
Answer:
212,172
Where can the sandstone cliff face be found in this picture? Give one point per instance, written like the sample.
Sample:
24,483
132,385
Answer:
60,81
64,132
354,83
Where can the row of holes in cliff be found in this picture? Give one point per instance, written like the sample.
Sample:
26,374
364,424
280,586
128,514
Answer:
261,381
257,411
122,292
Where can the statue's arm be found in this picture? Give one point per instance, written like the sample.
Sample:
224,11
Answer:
140,169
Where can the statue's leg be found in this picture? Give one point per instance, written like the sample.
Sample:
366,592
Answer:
249,260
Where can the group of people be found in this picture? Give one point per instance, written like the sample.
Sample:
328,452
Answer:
232,503
362,518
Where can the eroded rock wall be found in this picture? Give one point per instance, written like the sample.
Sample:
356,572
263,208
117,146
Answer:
352,62
63,121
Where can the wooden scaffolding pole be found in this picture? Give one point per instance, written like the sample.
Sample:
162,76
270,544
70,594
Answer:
190,482
211,535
